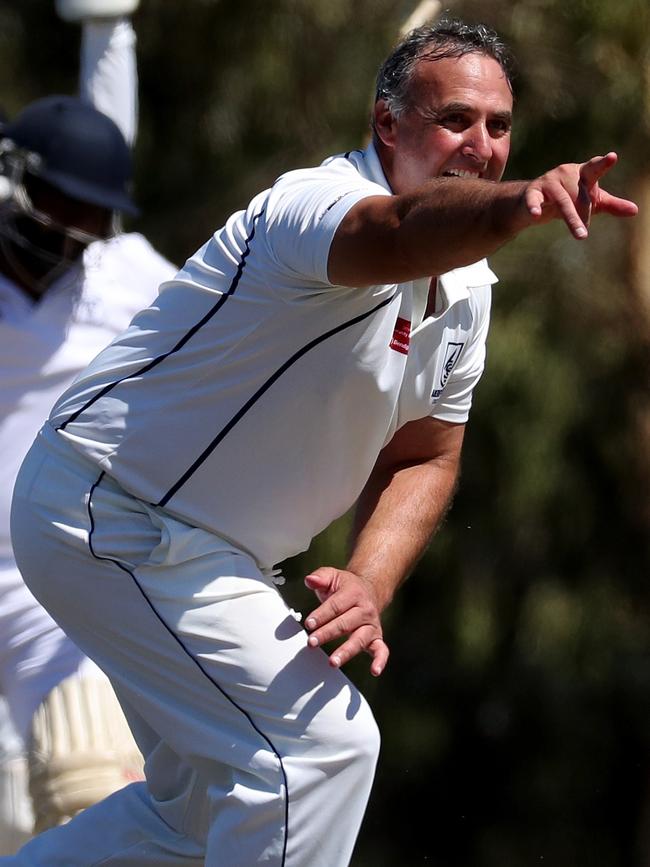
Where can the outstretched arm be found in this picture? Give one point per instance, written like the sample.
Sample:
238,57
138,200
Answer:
451,222
403,502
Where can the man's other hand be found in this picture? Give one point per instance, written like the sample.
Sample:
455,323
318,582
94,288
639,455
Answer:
349,608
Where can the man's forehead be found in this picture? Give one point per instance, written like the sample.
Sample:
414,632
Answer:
450,78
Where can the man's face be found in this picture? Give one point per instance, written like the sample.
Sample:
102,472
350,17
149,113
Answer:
457,123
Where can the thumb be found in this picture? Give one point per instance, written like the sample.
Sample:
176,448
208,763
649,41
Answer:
593,170
322,578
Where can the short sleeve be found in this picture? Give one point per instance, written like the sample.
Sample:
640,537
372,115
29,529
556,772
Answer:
305,209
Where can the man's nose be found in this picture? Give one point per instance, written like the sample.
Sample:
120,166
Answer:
478,143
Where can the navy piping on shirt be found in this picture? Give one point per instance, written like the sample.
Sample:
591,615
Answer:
196,661
254,398
258,394
181,343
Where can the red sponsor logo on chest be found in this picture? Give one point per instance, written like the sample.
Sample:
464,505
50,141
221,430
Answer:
401,336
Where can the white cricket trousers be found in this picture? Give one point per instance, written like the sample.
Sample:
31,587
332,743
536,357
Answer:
256,750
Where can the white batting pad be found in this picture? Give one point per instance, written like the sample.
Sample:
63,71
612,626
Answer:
80,750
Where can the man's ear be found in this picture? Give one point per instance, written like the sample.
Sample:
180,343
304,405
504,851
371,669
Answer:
384,123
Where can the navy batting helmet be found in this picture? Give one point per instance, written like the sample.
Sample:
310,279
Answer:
79,150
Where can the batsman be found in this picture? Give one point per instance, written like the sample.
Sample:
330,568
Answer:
321,349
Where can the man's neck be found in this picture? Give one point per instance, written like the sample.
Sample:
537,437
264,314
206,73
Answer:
432,298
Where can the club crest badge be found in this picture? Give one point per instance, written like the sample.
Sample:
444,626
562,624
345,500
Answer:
452,354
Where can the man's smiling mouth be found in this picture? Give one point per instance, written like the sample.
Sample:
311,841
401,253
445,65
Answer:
460,173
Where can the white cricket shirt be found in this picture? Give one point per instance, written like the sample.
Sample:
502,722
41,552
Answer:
252,398
44,345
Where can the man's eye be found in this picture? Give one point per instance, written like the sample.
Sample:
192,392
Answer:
500,127
454,120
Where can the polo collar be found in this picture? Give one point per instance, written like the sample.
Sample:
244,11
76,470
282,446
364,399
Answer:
369,166
458,283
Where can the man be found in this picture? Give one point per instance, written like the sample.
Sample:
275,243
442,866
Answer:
68,285
305,357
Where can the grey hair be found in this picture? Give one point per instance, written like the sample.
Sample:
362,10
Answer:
448,37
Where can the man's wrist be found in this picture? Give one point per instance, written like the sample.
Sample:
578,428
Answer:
509,213
381,588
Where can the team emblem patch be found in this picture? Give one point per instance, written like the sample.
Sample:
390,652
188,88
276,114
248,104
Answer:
452,354
401,336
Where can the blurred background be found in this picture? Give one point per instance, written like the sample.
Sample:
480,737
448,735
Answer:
516,707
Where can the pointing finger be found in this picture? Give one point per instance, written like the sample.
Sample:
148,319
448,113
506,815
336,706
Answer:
608,204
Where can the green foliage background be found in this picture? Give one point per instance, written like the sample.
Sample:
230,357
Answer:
515,708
